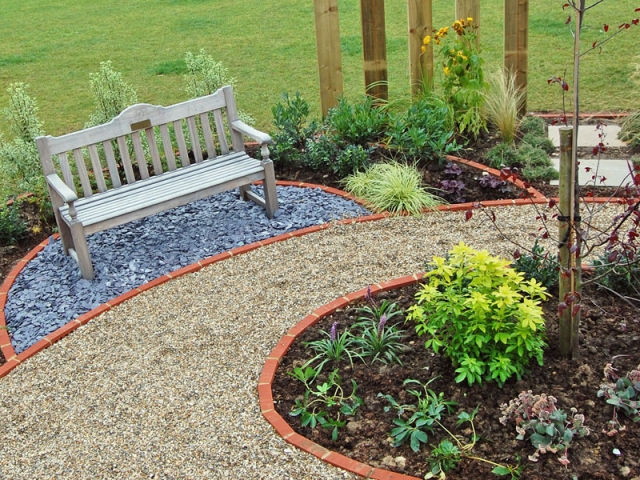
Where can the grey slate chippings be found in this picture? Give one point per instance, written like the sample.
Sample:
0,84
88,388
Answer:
165,385
50,292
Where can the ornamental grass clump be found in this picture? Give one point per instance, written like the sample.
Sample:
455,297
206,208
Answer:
392,187
481,314
501,103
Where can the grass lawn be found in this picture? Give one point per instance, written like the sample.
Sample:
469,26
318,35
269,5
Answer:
269,46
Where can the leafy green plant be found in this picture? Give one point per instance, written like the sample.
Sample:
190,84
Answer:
463,82
538,264
351,159
12,227
205,75
618,272
421,418
20,167
392,187
483,315
533,125
376,338
357,124
111,94
503,155
292,129
444,457
335,347
501,103
326,404
550,429
623,393
539,141
630,130
425,131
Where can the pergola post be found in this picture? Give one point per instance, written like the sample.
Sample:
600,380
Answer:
516,44
420,14
329,56
374,48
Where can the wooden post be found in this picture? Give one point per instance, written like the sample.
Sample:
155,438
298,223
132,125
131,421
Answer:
420,25
516,50
374,48
329,56
570,279
470,8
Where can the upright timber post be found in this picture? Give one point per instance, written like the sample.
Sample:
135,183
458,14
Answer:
516,41
420,14
329,56
374,48
570,276
470,8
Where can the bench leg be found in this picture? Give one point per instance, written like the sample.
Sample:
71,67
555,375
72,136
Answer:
270,194
65,233
82,251
243,192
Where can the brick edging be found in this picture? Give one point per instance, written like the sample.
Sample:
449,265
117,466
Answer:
13,359
274,359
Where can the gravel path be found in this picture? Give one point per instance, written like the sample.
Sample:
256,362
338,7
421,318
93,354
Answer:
164,385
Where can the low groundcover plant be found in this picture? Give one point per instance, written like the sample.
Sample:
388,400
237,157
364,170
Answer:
482,314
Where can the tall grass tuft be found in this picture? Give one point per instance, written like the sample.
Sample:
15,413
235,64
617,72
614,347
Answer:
392,187
501,104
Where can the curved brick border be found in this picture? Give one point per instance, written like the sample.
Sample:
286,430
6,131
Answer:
273,361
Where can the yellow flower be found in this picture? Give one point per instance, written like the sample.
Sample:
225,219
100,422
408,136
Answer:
462,55
423,48
446,70
427,40
469,19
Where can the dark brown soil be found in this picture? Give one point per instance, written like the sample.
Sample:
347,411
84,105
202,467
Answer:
608,328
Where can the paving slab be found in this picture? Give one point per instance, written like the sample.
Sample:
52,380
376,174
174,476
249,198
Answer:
588,136
609,172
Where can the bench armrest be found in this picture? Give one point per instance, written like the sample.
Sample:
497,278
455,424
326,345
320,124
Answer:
61,188
249,131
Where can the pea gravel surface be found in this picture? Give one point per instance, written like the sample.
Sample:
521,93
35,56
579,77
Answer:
164,386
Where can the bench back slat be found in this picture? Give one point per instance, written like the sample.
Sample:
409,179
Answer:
208,135
139,152
123,150
167,147
153,150
82,172
222,139
104,155
111,163
67,176
97,168
195,141
182,144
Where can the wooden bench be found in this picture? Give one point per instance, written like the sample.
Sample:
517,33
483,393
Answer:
181,154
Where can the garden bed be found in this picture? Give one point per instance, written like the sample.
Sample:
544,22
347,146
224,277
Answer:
609,327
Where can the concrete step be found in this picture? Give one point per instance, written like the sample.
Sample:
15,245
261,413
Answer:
608,172
588,136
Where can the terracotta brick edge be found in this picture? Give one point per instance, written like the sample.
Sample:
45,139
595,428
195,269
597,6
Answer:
265,382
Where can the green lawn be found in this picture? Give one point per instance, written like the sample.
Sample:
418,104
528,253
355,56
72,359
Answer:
269,46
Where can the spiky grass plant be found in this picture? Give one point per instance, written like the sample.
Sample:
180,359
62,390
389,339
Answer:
501,104
393,187
630,130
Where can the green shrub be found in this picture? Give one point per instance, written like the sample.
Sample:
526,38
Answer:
502,155
292,129
483,315
358,124
392,187
111,94
542,142
425,132
204,75
501,104
12,227
533,125
539,265
350,160
618,273
20,167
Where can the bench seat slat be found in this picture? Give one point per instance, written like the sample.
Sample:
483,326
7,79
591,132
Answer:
94,211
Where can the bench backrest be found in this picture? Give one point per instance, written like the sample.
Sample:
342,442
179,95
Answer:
153,136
